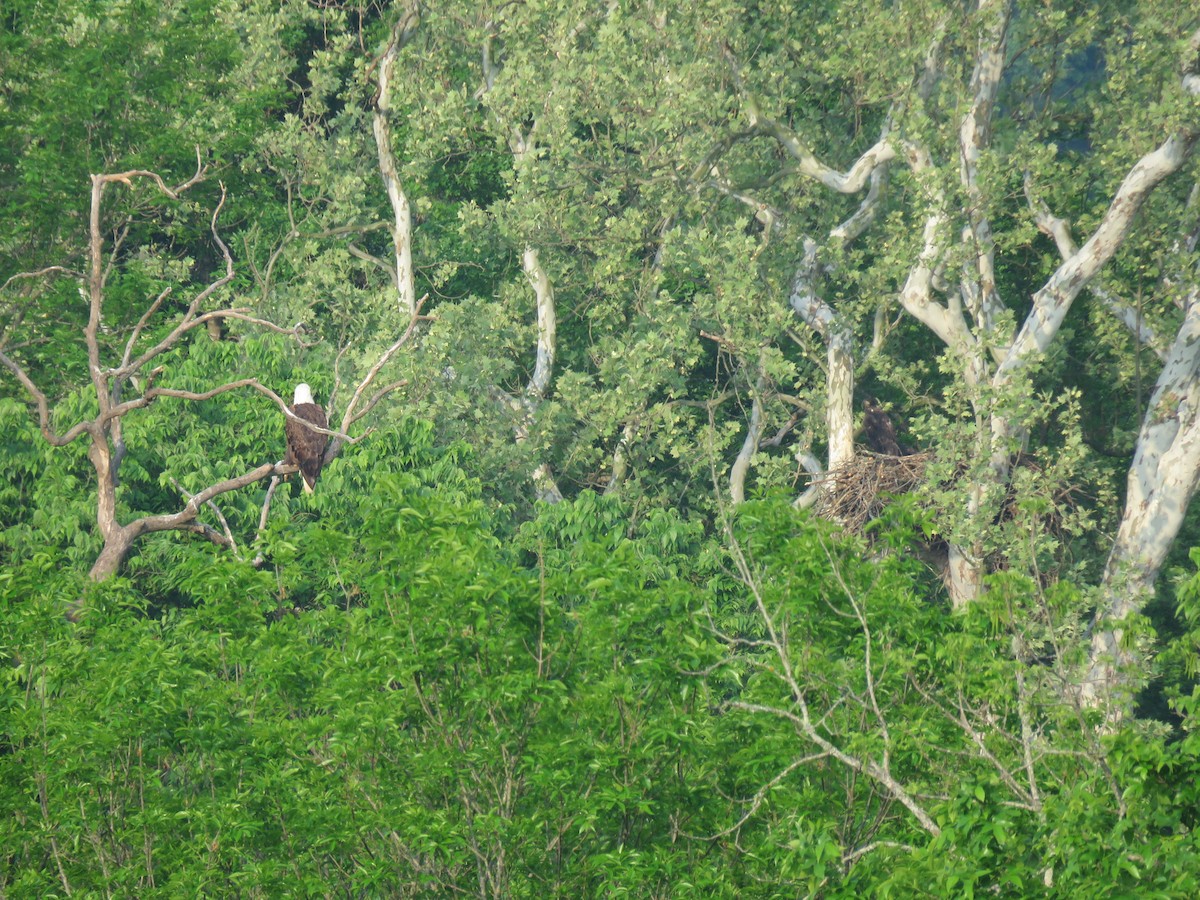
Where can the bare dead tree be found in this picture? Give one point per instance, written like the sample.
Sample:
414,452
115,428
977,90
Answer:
103,431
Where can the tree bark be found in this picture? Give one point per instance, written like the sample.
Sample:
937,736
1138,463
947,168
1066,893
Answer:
754,430
547,341
381,127
839,344
1161,483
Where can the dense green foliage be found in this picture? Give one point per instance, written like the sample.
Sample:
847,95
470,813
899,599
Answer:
422,681
413,699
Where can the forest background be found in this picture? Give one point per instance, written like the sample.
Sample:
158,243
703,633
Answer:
762,439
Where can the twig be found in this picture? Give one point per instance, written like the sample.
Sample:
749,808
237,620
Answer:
352,413
260,557
216,509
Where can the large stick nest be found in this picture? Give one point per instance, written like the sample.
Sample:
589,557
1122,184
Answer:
860,490
857,492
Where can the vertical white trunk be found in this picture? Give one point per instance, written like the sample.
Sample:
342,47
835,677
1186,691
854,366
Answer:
839,399
979,279
754,430
547,323
1161,483
964,577
547,327
839,343
381,126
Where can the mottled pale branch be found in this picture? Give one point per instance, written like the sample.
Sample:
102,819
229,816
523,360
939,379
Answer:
543,291
1161,482
850,181
754,432
824,320
865,215
974,138
916,295
402,32
1057,228
1052,302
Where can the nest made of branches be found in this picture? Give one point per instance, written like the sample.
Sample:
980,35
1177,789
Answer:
858,491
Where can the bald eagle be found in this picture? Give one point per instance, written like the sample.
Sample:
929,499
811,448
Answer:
305,447
879,431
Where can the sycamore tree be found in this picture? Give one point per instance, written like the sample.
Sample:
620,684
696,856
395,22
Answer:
903,169
665,243
717,231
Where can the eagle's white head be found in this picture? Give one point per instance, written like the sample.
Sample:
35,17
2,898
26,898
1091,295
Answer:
303,394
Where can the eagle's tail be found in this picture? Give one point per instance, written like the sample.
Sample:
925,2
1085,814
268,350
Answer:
308,488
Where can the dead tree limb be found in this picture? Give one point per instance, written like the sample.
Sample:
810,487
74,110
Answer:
103,430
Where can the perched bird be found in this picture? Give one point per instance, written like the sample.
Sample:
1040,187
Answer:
305,447
879,431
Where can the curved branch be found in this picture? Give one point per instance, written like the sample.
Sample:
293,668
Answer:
1053,301
1057,228
754,431
49,270
173,521
352,413
43,406
206,531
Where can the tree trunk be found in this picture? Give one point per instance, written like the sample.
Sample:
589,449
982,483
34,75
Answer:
1162,481
754,430
116,547
381,126
839,344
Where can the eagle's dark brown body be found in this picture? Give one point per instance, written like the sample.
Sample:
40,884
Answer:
305,447
879,431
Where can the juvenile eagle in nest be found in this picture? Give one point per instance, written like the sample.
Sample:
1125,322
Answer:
305,447
879,431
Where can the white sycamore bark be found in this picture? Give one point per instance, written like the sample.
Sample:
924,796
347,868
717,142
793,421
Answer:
401,227
967,322
1161,483
535,392
521,145
839,344
1164,473
754,433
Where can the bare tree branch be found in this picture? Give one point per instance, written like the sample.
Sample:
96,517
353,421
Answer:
1054,227
754,431
43,406
979,285
1052,302
228,535
48,270
849,182
352,413
801,718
